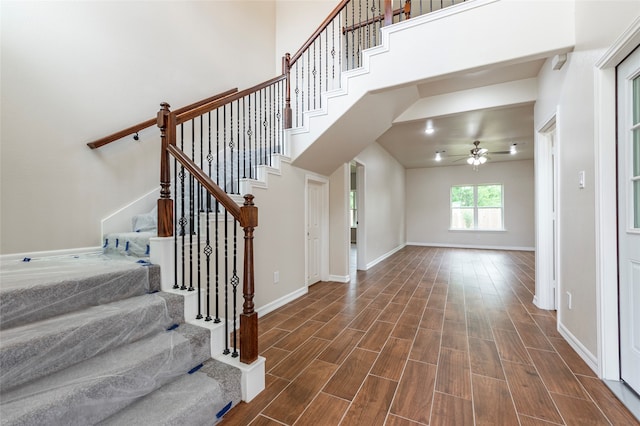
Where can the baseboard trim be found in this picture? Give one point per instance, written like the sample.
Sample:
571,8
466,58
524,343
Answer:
340,278
472,246
51,253
385,256
577,346
272,306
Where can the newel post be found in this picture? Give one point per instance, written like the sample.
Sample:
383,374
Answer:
286,70
407,9
166,123
388,12
249,317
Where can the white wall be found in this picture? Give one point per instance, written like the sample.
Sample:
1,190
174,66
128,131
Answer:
74,71
339,224
280,237
571,92
428,210
384,203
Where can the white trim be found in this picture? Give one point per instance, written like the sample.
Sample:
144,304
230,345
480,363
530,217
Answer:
324,238
384,256
51,253
280,302
544,285
340,278
471,246
589,358
606,205
361,235
120,220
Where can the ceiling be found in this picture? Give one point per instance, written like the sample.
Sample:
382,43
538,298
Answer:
497,128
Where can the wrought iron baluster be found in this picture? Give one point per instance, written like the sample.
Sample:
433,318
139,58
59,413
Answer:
175,225
226,283
217,211
264,125
234,282
198,231
207,248
244,137
238,146
183,218
249,134
191,209
231,146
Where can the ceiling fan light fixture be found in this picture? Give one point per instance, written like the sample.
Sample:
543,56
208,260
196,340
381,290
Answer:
429,130
482,160
470,160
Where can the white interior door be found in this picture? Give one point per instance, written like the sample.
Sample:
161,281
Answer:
629,217
314,231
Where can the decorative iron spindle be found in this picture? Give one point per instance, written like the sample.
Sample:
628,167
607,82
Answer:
235,280
183,218
191,210
226,282
207,248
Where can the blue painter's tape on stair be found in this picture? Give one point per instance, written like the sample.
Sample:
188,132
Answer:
224,410
126,247
194,369
106,243
173,327
26,259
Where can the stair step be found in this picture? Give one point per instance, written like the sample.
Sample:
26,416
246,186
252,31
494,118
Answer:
192,399
43,288
34,350
95,389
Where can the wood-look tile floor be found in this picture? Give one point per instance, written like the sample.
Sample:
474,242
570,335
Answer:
429,336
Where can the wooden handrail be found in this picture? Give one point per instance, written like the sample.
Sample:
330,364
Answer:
224,199
151,122
317,32
183,116
370,21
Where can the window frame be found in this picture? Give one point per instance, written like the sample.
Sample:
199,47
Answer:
476,208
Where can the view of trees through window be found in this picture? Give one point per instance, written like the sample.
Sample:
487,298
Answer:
477,207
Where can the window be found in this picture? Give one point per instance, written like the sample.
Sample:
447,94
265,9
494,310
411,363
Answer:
477,207
353,211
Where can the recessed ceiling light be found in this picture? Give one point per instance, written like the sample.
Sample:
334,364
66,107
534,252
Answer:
513,149
429,130
438,156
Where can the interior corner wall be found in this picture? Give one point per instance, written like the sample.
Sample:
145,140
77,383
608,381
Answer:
72,72
339,223
428,210
384,203
570,92
280,237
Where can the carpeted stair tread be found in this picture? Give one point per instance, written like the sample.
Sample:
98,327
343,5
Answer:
36,349
95,389
190,400
40,289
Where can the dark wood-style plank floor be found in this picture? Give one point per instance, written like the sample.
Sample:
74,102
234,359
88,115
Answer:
429,336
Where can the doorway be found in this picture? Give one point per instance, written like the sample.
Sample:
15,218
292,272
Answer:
547,215
317,229
628,154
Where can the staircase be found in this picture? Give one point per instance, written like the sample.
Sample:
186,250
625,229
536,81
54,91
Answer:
91,340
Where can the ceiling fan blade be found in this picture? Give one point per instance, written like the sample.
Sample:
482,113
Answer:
483,151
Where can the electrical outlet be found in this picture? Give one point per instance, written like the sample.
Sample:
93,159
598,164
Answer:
569,301
276,277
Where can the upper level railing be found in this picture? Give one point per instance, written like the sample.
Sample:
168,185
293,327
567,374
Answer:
220,141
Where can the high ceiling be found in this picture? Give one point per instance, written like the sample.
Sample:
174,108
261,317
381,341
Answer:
497,127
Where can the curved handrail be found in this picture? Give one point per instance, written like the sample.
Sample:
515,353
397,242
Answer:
317,32
153,121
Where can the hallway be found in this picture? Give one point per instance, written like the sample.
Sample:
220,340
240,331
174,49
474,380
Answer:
428,336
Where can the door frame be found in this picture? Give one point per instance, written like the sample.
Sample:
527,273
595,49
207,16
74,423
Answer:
324,224
605,133
361,235
546,188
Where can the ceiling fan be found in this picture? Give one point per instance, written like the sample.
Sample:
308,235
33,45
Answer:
477,156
